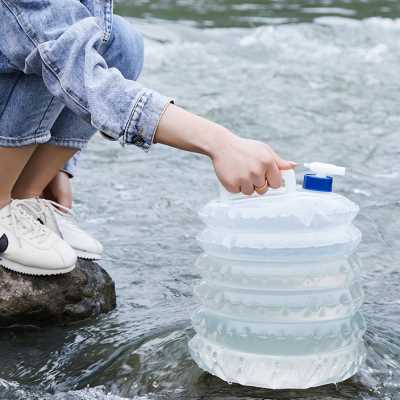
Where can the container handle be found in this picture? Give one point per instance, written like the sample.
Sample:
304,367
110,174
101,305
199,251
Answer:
288,177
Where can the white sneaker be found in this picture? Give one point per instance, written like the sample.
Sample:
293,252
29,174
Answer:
28,247
63,223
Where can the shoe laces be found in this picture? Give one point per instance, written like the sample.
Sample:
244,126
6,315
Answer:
38,207
23,224
65,213
57,207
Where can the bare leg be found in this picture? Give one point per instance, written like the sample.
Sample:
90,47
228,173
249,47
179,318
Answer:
12,162
59,190
41,168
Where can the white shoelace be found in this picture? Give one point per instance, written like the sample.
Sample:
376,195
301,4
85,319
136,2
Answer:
38,208
24,225
65,210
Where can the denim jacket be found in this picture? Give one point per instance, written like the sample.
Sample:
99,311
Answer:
62,41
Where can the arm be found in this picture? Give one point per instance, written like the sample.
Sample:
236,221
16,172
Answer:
240,164
61,42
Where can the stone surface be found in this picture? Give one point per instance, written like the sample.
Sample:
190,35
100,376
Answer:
41,300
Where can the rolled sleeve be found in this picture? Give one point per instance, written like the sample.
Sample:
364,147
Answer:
71,165
144,119
61,42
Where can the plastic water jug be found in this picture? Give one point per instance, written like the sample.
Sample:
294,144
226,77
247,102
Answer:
280,294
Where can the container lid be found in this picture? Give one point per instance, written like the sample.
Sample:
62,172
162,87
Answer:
318,183
321,179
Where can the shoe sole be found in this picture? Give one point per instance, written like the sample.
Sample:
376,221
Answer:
24,269
87,256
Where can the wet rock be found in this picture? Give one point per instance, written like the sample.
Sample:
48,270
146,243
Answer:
41,300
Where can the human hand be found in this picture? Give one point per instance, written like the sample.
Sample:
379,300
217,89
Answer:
245,165
242,165
59,190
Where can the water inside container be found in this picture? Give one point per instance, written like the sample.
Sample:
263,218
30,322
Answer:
280,291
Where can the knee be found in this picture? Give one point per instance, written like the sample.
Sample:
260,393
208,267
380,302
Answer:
126,49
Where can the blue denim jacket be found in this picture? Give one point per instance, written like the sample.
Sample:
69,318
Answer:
62,41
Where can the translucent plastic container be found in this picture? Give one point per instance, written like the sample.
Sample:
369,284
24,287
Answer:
280,291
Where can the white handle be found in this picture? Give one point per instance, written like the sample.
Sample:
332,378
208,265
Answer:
288,177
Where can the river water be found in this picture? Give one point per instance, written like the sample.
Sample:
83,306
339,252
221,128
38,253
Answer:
319,80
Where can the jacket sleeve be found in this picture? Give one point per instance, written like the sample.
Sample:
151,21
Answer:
63,43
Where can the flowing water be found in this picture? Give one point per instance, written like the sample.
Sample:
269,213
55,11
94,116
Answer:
317,79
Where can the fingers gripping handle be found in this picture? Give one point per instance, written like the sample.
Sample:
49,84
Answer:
289,180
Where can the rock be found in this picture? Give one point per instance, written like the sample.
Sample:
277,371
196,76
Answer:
41,300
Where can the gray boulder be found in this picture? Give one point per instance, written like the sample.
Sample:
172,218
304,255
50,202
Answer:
41,300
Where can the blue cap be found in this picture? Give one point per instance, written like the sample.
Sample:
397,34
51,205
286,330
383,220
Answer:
318,183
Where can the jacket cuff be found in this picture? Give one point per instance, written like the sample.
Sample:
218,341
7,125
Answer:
143,121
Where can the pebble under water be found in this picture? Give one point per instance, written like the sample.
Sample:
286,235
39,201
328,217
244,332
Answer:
325,89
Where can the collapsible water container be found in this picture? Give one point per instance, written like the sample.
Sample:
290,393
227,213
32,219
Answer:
280,292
